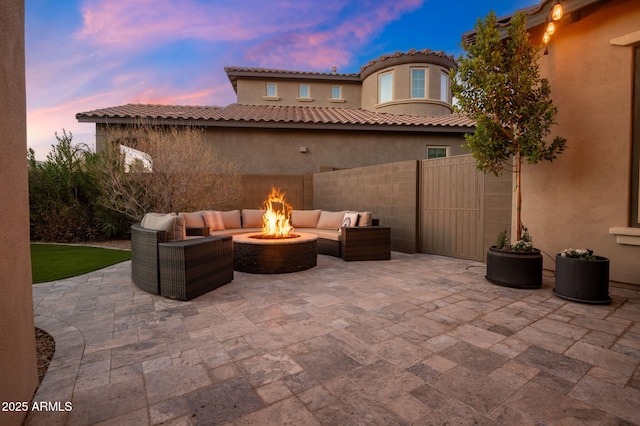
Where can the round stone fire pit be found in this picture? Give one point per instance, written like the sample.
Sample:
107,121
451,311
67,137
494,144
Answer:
274,256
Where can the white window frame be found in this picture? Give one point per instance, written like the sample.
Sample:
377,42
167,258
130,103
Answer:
438,147
425,75
384,76
271,96
333,89
444,87
302,88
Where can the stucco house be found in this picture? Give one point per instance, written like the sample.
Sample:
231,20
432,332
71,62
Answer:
589,196
398,107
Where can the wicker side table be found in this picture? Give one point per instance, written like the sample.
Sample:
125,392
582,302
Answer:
190,268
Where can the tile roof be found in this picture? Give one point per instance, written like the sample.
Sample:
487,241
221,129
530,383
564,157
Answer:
148,111
278,71
284,115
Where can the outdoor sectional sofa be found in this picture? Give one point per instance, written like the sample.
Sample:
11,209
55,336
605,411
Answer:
183,256
344,234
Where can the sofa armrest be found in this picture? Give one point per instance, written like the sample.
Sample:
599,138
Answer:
366,243
200,231
190,268
144,257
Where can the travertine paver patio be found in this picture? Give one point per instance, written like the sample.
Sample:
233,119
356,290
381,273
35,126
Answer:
419,339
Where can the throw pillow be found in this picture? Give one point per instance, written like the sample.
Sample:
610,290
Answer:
350,219
213,220
193,220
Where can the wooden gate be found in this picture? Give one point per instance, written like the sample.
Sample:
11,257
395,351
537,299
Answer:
452,208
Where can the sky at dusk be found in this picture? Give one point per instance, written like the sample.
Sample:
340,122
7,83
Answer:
88,54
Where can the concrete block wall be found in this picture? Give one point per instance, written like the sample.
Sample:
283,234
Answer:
256,188
389,191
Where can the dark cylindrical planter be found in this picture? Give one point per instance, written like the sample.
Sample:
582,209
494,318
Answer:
585,281
517,269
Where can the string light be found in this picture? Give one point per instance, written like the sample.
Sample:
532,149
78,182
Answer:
551,28
556,11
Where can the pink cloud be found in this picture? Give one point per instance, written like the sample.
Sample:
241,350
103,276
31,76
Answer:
138,24
332,46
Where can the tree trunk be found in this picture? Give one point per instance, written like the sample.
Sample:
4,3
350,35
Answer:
518,172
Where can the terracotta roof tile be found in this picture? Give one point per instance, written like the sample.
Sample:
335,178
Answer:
411,52
274,114
279,71
147,111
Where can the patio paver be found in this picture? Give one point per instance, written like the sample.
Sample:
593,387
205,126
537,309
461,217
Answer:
419,339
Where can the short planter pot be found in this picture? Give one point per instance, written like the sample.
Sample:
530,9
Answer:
517,269
584,281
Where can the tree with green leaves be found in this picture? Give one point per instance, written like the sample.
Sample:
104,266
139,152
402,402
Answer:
498,84
63,198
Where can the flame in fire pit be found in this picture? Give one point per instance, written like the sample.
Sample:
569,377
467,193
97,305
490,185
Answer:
275,222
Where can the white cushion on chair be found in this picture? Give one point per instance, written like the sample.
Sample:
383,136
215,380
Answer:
172,224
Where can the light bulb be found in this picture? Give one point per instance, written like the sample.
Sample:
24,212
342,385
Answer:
556,12
546,38
551,28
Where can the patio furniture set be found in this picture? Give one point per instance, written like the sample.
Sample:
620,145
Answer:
182,256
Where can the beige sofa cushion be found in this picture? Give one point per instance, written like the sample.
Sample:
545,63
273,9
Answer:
252,218
326,234
330,220
193,220
365,219
231,219
213,220
172,224
305,218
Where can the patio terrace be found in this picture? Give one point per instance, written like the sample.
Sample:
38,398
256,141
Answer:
419,339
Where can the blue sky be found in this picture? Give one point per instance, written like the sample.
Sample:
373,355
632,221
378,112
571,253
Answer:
88,54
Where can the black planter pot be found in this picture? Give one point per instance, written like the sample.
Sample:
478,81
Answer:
584,281
517,269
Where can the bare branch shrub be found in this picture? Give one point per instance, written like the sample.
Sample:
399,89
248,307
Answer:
174,170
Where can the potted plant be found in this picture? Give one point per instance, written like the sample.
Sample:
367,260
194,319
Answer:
518,265
498,84
582,277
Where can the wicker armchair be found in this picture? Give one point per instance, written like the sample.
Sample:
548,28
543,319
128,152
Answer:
179,269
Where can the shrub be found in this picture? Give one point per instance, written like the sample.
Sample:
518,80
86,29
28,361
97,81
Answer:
62,196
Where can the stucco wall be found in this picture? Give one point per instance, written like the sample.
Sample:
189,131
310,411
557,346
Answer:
269,151
388,191
18,373
402,102
573,201
252,92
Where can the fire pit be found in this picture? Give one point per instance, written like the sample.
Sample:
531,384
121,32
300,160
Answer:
274,256
277,249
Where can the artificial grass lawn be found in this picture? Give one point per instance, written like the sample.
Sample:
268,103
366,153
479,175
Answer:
51,262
